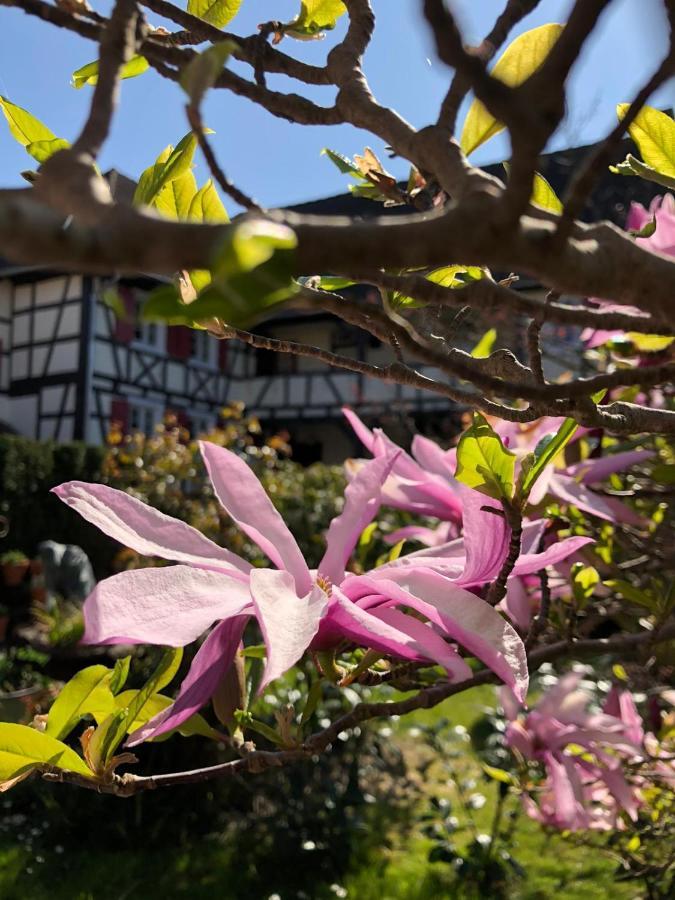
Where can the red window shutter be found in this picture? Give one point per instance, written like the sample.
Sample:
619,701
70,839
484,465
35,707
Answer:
222,355
178,341
125,327
119,413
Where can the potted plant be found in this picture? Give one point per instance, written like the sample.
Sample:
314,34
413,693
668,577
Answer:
14,564
4,621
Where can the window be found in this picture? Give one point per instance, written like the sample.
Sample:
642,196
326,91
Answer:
201,347
202,423
146,333
143,416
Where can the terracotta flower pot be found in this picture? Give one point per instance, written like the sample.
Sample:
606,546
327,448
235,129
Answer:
14,573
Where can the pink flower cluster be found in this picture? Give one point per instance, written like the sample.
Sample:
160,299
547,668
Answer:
583,754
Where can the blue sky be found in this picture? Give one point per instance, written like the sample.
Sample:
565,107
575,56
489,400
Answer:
279,162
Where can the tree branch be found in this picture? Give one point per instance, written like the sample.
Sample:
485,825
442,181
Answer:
258,760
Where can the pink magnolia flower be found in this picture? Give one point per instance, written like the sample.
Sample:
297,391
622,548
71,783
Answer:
296,608
661,241
427,485
582,753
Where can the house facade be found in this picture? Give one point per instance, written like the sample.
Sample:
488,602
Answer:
70,365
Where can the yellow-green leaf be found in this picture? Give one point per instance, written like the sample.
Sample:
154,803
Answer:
25,128
203,69
446,276
196,725
216,12
654,134
87,693
520,60
171,163
175,199
483,462
649,343
315,16
207,206
88,74
484,346
544,196
22,748
42,150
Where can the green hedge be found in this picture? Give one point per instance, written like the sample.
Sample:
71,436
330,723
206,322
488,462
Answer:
28,470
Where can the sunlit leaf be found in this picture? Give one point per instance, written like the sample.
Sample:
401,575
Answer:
520,60
649,343
217,12
445,276
88,74
544,453
170,164
483,462
203,69
484,346
315,17
196,725
87,693
175,199
544,196
42,150
654,133
207,206
22,748
25,128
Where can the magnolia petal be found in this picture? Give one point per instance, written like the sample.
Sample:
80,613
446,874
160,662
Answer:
170,606
578,494
349,620
486,538
517,604
362,501
244,499
144,529
470,621
288,622
530,563
211,662
432,537
363,433
431,457
431,644
594,470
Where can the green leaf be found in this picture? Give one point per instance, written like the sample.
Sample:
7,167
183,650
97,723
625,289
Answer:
195,726
633,166
217,12
447,276
207,206
88,74
175,199
42,150
483,462
22,748
395,551
201,72
649,343
87,693
584,581
313,698
520,60
333,283
315,16
171,164
484,346
121,722
544,196
632,593
105,739
25,128
498,774
120,674
249,244
366,536
544,453
654,133
619,672
344,164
